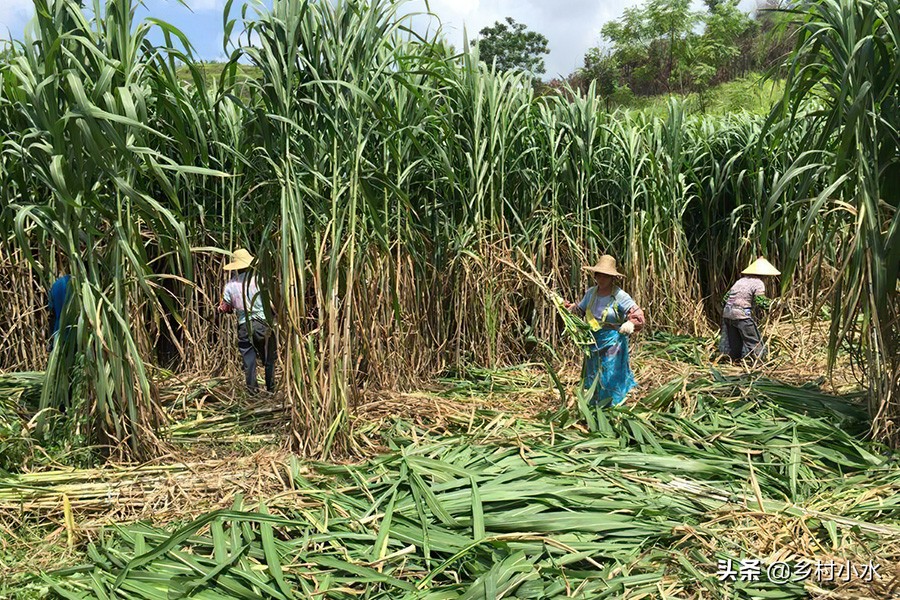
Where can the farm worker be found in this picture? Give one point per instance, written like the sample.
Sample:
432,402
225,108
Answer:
612,316
255,338
740,335
56,302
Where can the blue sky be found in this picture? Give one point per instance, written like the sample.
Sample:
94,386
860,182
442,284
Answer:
202,24
571,26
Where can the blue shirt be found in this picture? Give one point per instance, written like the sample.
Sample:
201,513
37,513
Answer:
598,304
58,299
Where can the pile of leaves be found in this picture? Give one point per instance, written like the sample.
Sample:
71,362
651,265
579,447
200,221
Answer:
646,501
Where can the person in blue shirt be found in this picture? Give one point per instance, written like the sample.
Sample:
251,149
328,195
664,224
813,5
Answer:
57,300
612,315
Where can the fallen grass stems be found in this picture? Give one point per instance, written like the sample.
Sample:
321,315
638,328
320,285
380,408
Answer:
641,503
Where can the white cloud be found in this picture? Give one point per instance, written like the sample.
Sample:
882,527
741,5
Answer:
206,5
14,14
161,8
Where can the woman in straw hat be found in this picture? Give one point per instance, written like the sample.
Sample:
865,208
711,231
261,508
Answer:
740,335
255,338
612,316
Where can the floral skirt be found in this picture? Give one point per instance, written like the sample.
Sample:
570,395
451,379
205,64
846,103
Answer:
607,369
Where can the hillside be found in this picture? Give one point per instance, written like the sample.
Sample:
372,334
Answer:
751,93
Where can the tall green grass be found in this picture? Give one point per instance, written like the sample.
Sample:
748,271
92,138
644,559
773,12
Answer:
384,185
84,133
843,93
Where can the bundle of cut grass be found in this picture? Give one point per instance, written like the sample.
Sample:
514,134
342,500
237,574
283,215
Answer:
246,421
21,388
684,348
18,392
575,327
477,380
102,495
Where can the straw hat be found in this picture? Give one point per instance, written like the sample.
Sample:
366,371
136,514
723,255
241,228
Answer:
606,265
761,266
241,259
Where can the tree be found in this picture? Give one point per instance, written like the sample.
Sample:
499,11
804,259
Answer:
650,41
512,46
714,55
675,21
602,68
726,25
777,32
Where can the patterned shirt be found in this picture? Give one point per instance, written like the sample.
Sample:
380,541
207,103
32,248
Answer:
239,294
742,292
598,304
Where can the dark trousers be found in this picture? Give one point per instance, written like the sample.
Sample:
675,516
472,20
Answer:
258,342
743,339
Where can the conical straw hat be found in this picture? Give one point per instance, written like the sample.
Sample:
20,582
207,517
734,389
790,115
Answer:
241,259
606,265
761,266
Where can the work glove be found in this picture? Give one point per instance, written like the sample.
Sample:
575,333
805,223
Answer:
627,328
